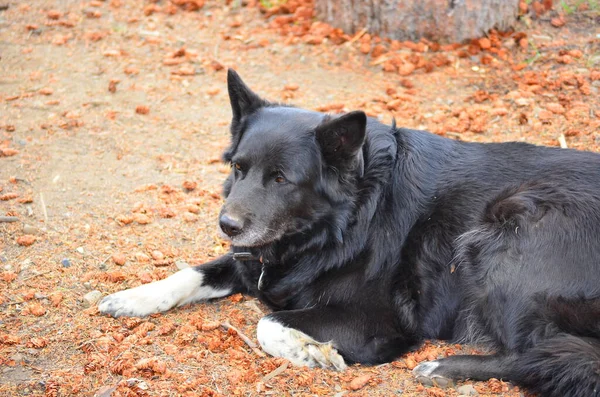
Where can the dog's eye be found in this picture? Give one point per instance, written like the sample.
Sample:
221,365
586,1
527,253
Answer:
237,166
280,178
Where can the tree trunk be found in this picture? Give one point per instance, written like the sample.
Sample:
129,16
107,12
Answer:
436,20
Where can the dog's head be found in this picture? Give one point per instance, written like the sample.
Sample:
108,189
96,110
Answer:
290,167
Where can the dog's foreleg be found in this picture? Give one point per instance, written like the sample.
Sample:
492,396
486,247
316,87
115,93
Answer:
332,336
302,350
212,280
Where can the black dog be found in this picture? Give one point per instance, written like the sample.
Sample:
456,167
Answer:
367,239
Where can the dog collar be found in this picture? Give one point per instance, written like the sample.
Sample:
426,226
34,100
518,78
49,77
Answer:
260,279
248,256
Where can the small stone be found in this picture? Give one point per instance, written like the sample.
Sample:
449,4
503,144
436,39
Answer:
28,229
467,390
66,262
142,258
181,264
92,297
80,250
26,264
119,258
157,255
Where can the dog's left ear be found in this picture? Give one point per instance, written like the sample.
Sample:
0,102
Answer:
341,140
243,100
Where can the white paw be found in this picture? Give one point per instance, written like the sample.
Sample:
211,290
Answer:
296,346
181,288
136,302
424,373
425,368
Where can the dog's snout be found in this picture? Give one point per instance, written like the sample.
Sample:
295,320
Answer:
230,225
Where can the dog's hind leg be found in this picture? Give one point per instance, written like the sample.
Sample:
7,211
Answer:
211,280
442,372
561,366
331,337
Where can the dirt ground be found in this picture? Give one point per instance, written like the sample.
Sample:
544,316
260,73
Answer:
113,115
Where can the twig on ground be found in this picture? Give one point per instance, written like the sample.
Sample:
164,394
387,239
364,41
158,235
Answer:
34,368
252,305
105,259
562,141
34,276
243,337
44,210
9,219
380,60
357,36
276,371
89,341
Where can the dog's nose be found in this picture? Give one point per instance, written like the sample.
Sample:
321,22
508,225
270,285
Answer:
231,226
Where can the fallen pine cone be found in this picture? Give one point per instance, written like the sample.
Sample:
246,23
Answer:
26,240
359,382
37,343
141,109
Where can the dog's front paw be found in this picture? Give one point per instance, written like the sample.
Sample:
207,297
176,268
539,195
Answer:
302,350
426,375
136,302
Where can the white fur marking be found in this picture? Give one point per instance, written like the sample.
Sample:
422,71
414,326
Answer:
426,368
181,288
296,346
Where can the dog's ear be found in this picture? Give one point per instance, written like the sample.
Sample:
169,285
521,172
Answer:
341,140
243,100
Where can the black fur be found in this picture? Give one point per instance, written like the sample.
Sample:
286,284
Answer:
376,238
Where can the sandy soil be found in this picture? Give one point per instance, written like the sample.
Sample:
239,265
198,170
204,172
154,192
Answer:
113,115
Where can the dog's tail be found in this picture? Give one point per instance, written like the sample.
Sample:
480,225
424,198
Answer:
568,363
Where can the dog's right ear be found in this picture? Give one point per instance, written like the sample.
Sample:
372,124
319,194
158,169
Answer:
243,100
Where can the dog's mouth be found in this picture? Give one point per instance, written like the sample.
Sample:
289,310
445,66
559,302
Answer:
252,238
